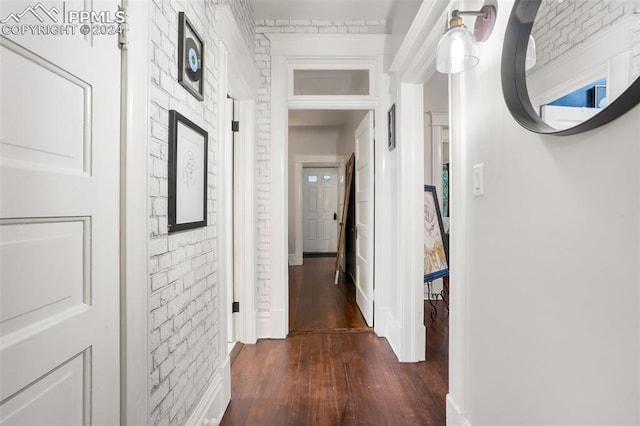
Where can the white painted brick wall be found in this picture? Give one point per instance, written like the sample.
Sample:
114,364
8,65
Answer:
559,26
183,266
263,140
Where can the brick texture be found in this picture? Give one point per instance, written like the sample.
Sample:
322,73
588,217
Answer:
263,142
578,21
183,266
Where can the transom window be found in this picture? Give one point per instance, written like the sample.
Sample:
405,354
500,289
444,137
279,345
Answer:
330,82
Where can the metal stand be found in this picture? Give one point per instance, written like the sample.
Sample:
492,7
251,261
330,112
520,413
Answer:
434,297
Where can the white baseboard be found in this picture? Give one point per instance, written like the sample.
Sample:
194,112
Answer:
394,334
214,402
455,417
295,259
273,327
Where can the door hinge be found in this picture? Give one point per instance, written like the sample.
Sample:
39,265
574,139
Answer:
235,307
235,126
123,30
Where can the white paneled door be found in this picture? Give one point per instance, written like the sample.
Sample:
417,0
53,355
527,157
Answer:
364,171
59,222
320,200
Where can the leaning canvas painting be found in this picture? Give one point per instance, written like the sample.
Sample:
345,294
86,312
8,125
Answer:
436,253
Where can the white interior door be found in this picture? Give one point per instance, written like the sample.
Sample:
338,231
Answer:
59,224
364,216
320,201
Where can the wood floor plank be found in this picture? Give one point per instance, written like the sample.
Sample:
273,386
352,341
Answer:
327,377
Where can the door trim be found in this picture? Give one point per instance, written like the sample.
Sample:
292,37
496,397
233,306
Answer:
335,52
337,161
134,259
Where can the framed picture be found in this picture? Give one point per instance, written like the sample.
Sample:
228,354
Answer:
436,251
187,174
391,115
190,58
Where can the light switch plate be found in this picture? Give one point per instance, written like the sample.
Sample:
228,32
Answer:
478,179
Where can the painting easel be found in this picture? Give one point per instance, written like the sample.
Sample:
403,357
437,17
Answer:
345,211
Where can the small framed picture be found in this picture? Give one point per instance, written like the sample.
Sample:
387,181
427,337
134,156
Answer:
391,115
190,58
436,251
187,174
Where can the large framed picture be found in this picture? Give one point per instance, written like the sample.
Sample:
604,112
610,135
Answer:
187,174
190,58
436,250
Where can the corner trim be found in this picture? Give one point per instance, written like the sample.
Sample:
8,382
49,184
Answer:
134,276
415,60
455,416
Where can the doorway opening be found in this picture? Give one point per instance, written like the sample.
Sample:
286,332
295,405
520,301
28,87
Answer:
320,144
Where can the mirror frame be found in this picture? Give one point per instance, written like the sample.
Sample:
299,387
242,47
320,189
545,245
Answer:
514,82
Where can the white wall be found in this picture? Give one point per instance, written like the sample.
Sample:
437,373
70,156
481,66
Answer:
545,319
347,145
307,140
436,99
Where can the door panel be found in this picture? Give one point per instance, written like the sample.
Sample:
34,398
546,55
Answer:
320,203
364,217
59,226
55,399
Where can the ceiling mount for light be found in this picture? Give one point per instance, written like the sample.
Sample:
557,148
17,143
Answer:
458,49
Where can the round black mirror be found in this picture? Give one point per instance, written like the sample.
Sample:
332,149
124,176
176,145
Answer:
566,51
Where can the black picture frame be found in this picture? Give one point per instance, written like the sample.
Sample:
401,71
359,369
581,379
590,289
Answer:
188,148
190,58
391,116
436,246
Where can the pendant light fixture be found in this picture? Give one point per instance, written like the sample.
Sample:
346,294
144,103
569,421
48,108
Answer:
458,48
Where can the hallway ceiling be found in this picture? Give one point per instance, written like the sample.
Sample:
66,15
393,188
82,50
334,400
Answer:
348,10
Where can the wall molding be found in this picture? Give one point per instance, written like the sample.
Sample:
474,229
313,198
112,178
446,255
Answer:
134,259
415,60
411,221
243,77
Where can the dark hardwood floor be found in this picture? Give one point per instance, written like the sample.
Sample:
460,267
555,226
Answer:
327,373
318,305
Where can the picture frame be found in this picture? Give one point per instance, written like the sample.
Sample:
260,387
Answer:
436,248
190,58
391,116
188,148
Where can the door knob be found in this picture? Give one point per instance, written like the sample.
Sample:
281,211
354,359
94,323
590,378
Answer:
335,216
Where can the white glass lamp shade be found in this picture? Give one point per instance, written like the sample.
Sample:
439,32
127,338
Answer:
457,51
